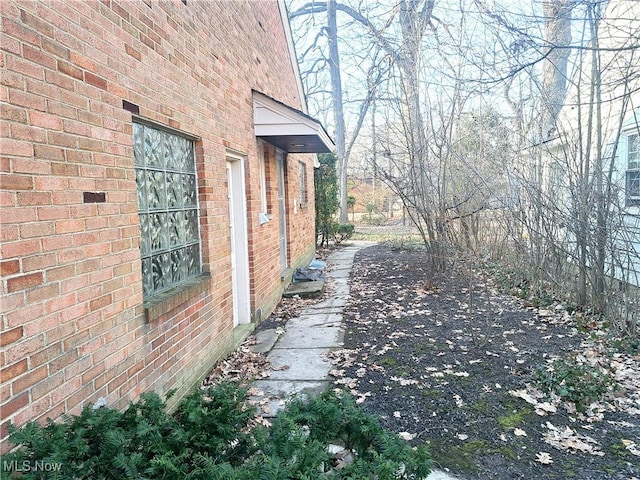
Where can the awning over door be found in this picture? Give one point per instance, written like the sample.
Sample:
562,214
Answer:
287,128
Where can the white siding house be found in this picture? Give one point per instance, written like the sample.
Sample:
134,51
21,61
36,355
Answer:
593,153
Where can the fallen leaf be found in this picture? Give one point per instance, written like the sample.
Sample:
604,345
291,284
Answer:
407,436
518,432
404,382
544,458
362,397
568,439
524,395
544,408
631,446
281,368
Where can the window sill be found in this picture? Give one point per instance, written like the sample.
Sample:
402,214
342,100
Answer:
158,305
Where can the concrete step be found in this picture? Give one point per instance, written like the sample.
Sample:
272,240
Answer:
311,289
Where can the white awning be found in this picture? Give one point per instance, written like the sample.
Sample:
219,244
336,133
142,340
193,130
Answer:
287,128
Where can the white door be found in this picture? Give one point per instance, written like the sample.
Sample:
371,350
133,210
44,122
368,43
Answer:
282,211
239,240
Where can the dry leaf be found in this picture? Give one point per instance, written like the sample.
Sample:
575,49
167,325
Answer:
631,446
281,368
544,458
544,408
524,395
404,382
361,397
568,439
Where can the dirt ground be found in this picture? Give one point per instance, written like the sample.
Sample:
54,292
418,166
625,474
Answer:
440,365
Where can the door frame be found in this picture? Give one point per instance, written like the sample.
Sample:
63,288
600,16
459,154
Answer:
239,238
281,173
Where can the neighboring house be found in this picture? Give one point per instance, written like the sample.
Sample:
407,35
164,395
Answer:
598,129
628,179
157,186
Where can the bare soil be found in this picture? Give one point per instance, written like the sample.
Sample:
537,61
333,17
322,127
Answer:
447,359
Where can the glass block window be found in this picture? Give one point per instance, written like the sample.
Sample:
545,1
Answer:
167,207
302,181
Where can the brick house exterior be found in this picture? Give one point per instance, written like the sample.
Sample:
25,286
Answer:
130,139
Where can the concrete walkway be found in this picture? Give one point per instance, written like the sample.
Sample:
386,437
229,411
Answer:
298,356
299,365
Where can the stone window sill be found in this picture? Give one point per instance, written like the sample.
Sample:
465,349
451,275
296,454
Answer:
158,305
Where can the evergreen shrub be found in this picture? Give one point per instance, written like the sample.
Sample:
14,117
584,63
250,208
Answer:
212,436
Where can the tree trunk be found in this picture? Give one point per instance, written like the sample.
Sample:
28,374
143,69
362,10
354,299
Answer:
338,112
554,83
602,207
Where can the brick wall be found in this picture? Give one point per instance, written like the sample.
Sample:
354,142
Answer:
265,255
73,324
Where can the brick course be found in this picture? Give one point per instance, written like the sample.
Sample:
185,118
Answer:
74,327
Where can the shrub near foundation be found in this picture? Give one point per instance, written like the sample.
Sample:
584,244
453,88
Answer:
212,436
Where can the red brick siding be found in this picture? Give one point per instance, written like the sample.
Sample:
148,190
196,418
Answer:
73,322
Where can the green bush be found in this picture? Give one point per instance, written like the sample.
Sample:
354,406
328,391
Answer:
574,382
334,418
208,438
102,443
343,231
326,198
141,442
375,220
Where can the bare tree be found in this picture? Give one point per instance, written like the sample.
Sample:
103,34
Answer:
578,229
372,78
539,171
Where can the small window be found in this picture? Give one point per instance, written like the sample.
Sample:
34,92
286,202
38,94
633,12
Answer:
167,207
263,178
302,182
633,170
633,151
